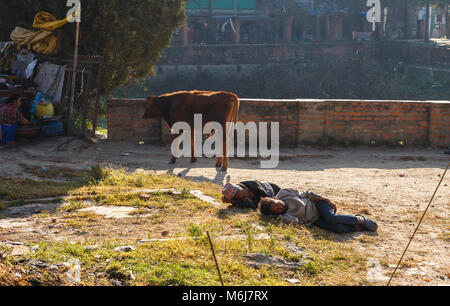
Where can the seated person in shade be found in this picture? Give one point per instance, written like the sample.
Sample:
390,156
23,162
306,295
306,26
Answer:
10,118
248,194
309,208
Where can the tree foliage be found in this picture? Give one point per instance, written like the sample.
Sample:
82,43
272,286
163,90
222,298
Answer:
129,34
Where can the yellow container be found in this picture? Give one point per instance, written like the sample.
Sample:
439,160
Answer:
44,110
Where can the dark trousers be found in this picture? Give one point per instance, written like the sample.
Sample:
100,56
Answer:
330,221
8,133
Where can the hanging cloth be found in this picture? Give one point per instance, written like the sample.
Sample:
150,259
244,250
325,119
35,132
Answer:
47,21
43,41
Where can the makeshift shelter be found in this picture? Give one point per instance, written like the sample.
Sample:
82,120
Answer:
43,82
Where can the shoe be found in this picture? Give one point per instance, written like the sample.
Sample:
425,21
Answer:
368,225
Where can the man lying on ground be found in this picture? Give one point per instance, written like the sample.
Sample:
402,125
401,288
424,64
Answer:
309,208
248,194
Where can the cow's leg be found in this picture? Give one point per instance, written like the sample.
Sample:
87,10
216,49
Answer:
193,158
173,160
219,161
225,159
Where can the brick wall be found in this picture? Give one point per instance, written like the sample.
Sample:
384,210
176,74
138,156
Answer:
310,121
259,54
414,53
406,51
126,123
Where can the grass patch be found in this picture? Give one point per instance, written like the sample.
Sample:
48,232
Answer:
54,172
188,262
21,189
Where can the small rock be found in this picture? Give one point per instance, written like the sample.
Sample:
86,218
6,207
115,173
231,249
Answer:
35,248
257,260
145,197
293,281
127,248
12,243
90,248
297,250
20,250
415,272
165,233
132,275
375,272
74,274
40,264
118,283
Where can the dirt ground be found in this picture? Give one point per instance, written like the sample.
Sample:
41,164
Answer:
391,186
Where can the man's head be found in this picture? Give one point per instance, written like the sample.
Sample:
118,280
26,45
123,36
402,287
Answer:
152,108
269,206
230,192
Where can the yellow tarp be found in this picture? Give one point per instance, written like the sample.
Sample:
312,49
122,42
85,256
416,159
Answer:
43,40
47,21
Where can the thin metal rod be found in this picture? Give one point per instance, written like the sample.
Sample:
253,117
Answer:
215,259
74,74
97,98
420,222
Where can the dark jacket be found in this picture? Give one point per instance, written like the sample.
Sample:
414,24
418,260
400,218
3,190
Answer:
260,190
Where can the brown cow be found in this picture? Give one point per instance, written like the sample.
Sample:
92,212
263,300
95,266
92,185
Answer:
221,107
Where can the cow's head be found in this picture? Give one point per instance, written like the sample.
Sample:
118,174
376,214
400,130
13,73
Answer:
152,108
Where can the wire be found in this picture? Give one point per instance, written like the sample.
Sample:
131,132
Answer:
215,258
417,228
82,82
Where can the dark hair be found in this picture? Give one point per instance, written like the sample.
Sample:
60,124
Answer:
265,206
12,99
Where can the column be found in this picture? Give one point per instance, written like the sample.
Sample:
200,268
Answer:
287,30
237,27
340,25
185,35
327,26
318,26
